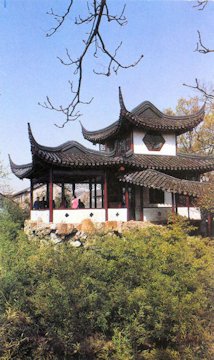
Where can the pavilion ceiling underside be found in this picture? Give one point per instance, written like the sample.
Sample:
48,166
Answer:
157,180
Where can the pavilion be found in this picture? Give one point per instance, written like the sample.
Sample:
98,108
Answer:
137,169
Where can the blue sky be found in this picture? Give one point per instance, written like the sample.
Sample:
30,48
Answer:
164,31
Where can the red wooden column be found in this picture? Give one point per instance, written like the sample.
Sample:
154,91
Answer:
106,196
127,200
31,194
47,194
51,195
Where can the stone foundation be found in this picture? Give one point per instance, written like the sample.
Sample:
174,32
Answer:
77,234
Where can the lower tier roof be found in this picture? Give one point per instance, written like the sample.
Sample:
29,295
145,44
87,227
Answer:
45,159
157,180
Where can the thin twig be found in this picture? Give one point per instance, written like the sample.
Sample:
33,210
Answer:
201,4
201,48
59,18
208,96
98,11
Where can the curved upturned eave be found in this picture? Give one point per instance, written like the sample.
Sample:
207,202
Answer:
21,171
98,136
158,122
162,122
36,147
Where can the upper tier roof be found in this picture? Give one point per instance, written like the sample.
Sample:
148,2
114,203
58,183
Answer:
146,117
73,155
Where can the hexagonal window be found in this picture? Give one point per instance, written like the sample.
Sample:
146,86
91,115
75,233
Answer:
153,141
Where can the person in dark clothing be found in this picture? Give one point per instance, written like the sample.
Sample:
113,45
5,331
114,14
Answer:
44,203
81,205
36,204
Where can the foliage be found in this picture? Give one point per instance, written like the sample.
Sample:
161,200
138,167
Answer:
206,200
12,213
200,139
145,295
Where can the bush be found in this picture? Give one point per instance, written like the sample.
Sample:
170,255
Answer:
146,295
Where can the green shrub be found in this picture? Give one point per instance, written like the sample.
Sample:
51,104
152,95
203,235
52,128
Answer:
146,295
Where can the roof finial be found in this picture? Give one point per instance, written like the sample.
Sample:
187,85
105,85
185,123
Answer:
31,138
122,105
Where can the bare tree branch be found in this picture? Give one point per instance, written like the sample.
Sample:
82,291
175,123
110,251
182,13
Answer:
201,4
208,96
98,11
59,19
201,48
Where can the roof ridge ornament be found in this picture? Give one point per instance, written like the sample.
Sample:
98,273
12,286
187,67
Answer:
33,142
121,101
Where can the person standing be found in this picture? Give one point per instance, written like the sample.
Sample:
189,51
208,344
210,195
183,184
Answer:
36,204
75,202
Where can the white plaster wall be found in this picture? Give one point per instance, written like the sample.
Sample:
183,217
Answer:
117,214
195,213
78,215
156,214
183,211
169,147
40,215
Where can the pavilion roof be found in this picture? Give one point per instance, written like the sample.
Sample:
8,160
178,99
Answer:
21,171
146,117
73,155
157,180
